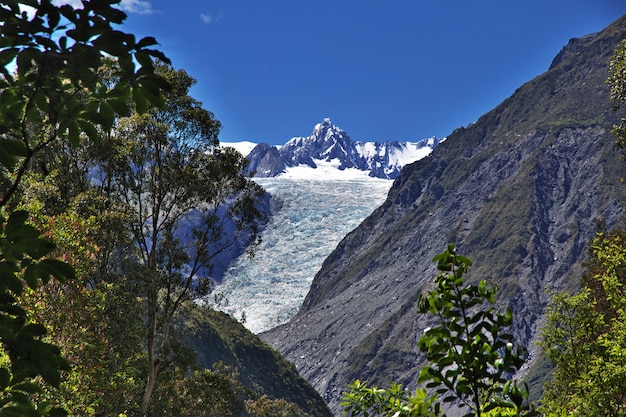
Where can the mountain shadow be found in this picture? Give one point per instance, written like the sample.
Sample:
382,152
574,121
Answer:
519,192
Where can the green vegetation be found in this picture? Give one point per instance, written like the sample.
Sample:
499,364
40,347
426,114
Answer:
617,93
53,94
585,336
218,337
471,358
104,156
163,169
115,198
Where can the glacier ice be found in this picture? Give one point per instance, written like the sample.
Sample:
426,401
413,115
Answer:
315,216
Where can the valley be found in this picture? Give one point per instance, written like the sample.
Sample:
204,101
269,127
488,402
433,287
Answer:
149,268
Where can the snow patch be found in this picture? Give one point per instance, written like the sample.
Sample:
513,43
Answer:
243,147
325,171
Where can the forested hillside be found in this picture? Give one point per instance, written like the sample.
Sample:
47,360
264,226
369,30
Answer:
115,200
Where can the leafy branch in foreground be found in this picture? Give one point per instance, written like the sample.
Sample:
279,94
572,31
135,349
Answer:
23,259
472,361
51,91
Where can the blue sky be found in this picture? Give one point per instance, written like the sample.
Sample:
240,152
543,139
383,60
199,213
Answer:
381,70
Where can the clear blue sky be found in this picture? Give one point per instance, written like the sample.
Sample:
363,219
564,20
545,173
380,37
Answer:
381,70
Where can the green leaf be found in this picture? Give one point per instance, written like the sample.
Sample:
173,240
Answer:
34,330
120,106
141,103
5,378
90,130
15,223
31,275
36,247
73,133
62,271
463,260
58,412
144,59
8,55
424,375
29,387
147,41
9,278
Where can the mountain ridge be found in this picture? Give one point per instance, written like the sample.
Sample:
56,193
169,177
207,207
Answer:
329,143
519,191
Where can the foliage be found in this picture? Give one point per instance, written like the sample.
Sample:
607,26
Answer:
105,377
50,57
185,200
471,359
202,393
71,85
393,401
97,327
55,90
264,406
585,336
219,337
617,95
23,254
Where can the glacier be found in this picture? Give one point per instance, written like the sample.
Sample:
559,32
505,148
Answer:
312,213
322,186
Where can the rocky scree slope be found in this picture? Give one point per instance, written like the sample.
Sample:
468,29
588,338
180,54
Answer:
519,191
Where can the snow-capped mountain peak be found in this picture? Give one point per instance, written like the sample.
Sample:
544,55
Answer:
330,143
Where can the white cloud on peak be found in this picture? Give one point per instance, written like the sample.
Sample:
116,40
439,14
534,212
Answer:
137,6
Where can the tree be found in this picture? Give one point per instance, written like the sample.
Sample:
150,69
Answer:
199,393
617,93
50,56
264,406
395,401
585,336
54,91
471,359
187,200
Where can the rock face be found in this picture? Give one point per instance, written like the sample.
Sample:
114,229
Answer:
519,192
329,142
266,161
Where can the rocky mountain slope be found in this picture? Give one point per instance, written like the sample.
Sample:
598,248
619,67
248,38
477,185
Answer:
520,192
328,142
